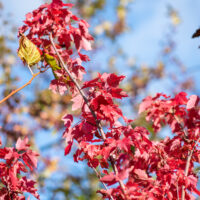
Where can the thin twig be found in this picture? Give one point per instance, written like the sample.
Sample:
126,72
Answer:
79,88
189,154
98,123
187,167
17,90
99,176
182,127
177,191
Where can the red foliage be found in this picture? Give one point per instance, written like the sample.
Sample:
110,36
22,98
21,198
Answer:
55,18
14,161
142,169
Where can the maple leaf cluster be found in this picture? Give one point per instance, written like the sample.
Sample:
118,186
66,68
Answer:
172,160
141,168
16,161
149,169
56,19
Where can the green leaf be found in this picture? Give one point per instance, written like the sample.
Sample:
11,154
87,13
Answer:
141,121
52,62
28,52
133,149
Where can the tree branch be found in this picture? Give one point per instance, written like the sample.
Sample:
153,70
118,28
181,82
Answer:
98,123
182,127
17,90
187,167
99,176
177,191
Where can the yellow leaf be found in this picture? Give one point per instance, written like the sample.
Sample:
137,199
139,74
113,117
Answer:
121,12
175,19
174,16
28,51
52,167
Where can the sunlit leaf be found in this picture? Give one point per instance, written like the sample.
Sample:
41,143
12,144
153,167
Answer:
28,51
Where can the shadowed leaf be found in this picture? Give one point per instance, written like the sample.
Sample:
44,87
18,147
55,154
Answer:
52,62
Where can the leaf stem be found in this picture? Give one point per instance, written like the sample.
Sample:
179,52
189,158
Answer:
30,70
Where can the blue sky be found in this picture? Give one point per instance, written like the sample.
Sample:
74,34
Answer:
150,24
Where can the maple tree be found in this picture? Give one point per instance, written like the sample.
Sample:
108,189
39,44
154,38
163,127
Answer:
126,161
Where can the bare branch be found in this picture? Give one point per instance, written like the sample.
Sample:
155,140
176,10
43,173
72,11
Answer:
17,90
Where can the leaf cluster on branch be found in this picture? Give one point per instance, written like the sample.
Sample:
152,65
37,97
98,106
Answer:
16,162
128,164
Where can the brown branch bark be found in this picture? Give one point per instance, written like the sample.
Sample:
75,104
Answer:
98,123
17,90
